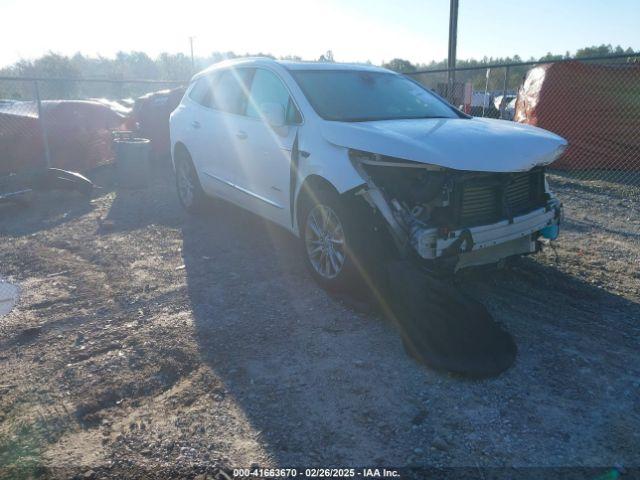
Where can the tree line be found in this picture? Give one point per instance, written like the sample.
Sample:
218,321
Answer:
179,67
496,79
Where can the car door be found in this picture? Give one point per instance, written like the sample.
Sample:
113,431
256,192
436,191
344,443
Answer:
220,100
263,152
200,131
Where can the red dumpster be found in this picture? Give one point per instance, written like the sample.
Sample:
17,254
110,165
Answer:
595,107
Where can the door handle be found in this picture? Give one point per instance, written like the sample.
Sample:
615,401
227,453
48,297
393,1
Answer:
242,135
195,124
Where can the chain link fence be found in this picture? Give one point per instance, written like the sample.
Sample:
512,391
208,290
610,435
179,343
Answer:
593,103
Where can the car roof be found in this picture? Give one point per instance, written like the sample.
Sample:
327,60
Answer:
290,65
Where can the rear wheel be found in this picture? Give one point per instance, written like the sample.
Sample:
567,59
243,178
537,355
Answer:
190,192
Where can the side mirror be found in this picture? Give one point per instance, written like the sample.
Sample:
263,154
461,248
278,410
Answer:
273,114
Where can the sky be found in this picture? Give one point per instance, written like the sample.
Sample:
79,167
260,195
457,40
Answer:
355,30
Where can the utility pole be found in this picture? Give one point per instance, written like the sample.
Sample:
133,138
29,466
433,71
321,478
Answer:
453,40
193,62
43,126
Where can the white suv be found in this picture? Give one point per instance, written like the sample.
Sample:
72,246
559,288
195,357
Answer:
351,156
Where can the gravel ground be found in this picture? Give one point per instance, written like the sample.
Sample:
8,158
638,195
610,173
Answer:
148,340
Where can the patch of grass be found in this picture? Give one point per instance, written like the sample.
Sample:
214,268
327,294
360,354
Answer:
20,455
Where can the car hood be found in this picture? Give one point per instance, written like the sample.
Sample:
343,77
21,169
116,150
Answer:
474,144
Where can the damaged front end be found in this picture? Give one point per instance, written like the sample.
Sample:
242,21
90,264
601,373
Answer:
458,218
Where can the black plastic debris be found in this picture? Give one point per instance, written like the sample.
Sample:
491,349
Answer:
19,187
445,328
58,179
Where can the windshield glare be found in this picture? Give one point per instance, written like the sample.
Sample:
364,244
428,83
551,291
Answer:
356,96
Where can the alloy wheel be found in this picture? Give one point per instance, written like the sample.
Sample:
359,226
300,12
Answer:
325,242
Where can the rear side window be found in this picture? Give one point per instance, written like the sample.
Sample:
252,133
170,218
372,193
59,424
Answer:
201,91
268,88
230,90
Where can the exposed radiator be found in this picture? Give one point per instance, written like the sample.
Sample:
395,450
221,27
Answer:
500,196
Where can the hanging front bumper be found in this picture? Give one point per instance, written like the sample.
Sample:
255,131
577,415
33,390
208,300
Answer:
431,243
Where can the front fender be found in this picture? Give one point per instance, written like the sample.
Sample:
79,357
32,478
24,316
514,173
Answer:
330,163
333,167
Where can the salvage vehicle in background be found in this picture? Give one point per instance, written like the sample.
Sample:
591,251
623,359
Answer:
78,132
149,118
506,105
349,156
78,139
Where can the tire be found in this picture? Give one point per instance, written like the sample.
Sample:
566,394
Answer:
333,240
190,192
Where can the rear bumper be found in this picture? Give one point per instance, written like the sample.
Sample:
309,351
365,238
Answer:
431,245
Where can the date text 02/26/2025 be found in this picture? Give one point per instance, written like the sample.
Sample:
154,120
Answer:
315,473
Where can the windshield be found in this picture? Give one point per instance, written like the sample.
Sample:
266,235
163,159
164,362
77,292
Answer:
358,96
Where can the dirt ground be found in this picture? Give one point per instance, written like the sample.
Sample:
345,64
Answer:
148,340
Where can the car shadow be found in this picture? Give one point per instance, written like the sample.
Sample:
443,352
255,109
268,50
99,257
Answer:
45,211
329,384
136,208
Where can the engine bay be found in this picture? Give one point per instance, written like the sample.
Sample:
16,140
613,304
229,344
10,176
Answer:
416,198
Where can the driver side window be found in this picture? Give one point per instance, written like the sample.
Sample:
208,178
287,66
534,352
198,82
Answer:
268,88
229,93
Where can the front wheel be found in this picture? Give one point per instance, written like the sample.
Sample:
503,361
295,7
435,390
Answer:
332,240
324,242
